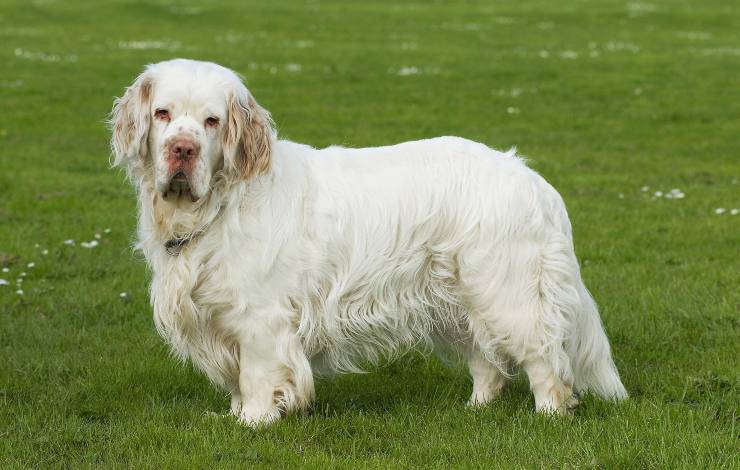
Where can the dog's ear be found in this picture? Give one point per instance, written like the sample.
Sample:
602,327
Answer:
129,122
249,137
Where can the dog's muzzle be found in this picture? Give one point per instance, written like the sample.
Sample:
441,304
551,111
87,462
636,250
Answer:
179,186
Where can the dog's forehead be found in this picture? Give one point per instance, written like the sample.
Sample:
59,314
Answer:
188,84
197,96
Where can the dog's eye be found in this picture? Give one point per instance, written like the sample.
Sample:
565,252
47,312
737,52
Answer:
162,114
212,121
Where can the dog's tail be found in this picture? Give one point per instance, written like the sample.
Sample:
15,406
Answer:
586,346
591,359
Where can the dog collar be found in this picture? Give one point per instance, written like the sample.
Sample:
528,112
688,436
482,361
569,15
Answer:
174,246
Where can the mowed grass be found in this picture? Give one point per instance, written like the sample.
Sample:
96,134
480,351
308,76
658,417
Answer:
603,97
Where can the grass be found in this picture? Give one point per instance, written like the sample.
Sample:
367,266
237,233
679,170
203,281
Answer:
605,97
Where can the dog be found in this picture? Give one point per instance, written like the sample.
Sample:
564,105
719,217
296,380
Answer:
273,261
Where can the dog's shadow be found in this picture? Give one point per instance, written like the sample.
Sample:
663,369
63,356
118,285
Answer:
415,382
412,382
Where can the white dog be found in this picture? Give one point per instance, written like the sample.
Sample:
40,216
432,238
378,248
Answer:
273,260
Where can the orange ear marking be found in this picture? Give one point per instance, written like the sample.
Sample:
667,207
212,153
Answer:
248,138
129,122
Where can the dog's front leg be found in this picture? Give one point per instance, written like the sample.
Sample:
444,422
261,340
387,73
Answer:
274,376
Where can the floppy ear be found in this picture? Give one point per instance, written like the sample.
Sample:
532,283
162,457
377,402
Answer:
129,124
248,138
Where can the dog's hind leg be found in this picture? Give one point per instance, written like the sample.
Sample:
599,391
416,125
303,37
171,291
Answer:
488,379
524,309
551,394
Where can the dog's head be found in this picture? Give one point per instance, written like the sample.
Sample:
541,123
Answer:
183,122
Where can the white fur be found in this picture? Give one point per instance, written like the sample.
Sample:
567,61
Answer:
333,257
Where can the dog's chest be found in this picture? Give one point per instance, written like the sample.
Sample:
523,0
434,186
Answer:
190,298
194,312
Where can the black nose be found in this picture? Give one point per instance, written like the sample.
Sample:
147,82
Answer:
183,149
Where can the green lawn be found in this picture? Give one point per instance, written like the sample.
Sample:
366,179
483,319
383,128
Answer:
604,98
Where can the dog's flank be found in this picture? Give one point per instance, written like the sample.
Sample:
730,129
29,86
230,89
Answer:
319,260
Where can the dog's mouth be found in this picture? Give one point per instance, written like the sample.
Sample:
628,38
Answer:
179,187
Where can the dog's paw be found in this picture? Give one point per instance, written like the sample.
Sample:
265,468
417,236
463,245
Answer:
479,400
560,402
572,402
255,416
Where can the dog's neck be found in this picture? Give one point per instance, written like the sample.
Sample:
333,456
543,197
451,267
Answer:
170,227
166,229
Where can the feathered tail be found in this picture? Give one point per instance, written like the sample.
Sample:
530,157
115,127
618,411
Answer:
591,358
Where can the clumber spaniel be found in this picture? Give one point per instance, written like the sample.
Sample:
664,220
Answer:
273,260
